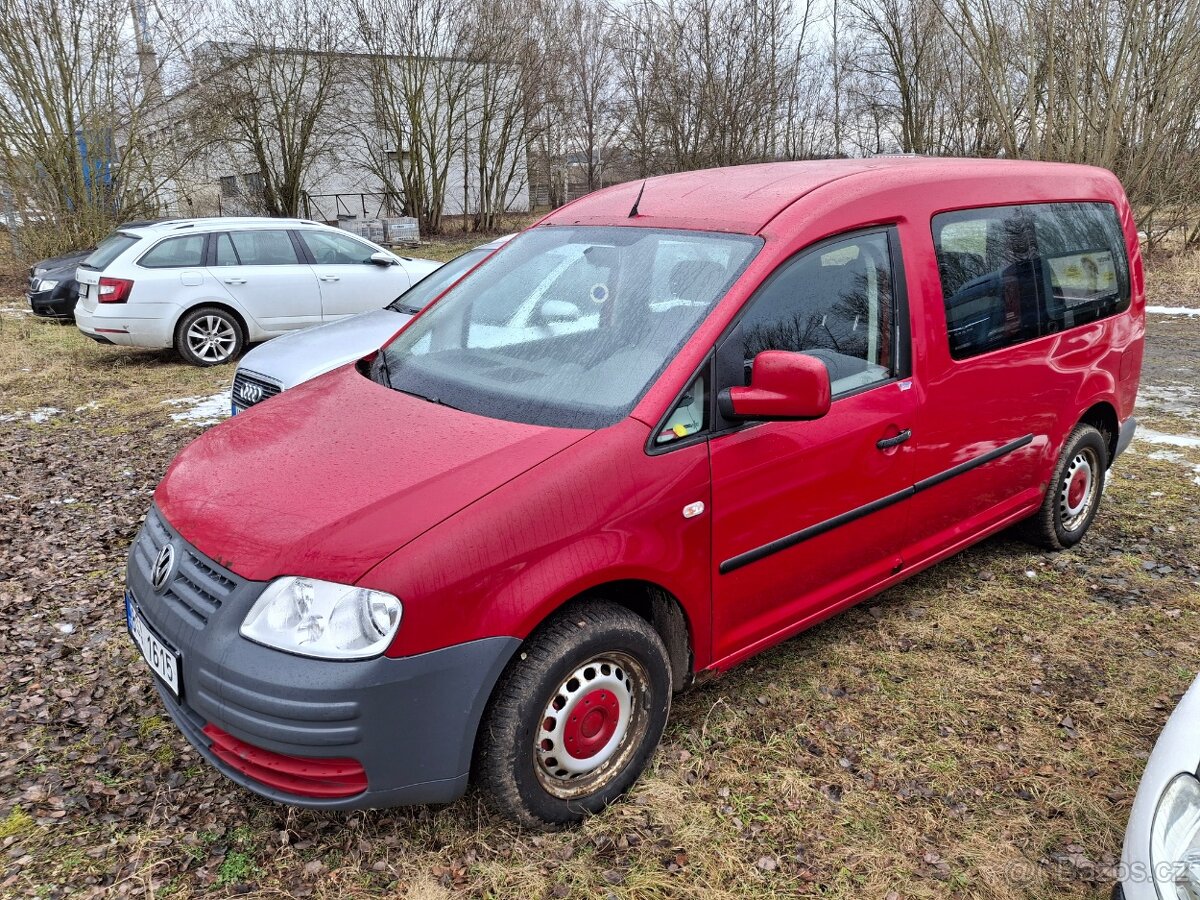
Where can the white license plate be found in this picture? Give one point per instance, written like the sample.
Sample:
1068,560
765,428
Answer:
164,663
84,289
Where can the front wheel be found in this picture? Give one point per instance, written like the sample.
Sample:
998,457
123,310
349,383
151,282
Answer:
1073,496
576,717
209,336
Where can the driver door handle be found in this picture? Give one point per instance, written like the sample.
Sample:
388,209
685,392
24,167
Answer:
896,441
329,277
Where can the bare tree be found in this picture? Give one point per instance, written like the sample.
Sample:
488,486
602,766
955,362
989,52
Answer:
421,82
270,96
75,113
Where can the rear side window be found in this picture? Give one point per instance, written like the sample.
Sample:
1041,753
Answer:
109,249
174,253
257,248
1014,273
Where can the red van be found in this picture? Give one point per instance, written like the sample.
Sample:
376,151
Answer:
669,426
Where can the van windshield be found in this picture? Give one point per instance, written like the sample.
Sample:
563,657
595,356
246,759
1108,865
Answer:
568,326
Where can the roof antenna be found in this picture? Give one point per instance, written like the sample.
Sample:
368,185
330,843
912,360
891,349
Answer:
633,213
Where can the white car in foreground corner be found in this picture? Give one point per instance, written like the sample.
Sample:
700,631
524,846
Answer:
207,287
1161,857
302,355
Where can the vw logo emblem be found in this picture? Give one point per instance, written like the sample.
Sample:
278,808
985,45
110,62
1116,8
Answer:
250,394
160,572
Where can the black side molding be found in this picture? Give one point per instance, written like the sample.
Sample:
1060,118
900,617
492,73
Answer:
804,534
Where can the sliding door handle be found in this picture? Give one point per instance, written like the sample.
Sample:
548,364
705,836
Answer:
887,443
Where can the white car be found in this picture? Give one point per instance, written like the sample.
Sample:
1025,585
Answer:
1161,857
302,355
207,287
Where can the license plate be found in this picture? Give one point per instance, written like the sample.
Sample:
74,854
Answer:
84,289
162,661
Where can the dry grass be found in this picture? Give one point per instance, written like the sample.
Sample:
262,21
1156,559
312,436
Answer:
976,732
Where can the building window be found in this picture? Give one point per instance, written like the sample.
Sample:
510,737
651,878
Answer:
229,186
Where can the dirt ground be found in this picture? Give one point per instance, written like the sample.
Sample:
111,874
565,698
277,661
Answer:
976,732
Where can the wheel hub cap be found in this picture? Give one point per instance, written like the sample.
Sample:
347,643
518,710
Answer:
586,724
1076,496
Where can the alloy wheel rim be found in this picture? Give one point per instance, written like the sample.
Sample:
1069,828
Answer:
592,724
1077,493
212,338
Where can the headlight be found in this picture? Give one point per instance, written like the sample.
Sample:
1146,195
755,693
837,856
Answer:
309,617
47,285
1175,840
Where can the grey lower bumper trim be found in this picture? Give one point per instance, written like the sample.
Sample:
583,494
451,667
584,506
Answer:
1125,438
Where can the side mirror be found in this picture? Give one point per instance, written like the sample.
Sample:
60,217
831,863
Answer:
559,311
382,259
783,385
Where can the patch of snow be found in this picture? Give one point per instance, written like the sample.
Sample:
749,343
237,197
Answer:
1172,311
65,627
1150,436
43,414
1177,399
91,404
201,410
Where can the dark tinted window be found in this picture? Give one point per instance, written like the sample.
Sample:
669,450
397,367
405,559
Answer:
175,252
834,303
109,249
1015,273
263,248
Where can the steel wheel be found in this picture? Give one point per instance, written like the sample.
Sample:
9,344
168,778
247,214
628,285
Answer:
1077,494
212,338
592,723
576,715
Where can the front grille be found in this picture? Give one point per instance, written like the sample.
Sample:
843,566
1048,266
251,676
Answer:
198,587
249,389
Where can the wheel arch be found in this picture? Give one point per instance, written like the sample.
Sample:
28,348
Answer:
648,600
1102,416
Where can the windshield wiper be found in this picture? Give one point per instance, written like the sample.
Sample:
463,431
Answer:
434,400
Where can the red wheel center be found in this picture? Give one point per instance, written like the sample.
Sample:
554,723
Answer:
1078,488
591,723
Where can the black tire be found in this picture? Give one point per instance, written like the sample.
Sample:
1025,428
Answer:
1073,496
613,656
227,339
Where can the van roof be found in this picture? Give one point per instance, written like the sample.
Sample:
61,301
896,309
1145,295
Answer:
743,199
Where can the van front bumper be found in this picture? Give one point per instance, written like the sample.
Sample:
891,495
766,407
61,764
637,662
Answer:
274,722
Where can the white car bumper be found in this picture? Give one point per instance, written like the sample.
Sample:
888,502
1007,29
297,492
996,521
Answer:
127,324
1177,752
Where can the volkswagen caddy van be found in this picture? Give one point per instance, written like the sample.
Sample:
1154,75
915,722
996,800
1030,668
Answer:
674,423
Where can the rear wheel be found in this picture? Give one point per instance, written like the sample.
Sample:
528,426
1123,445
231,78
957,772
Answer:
209,336
574,720
1073,497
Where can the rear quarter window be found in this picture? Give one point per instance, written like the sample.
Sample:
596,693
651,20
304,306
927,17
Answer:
109,249
174,253
1015,273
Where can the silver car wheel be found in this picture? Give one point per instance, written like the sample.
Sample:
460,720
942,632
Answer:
212,338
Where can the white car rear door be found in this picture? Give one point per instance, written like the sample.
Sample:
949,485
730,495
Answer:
262,269
350,282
